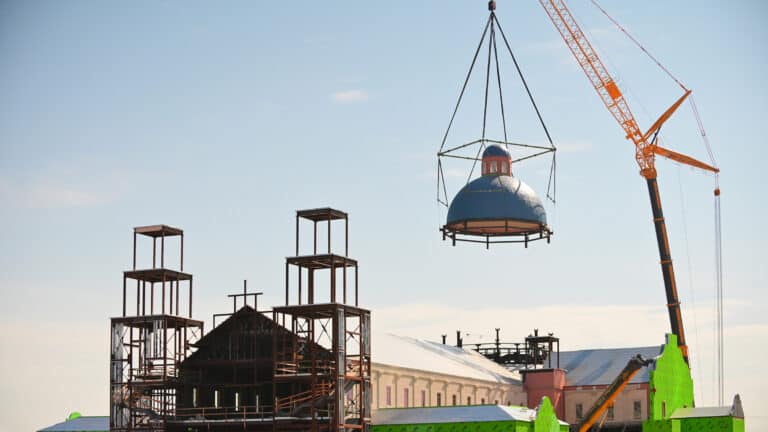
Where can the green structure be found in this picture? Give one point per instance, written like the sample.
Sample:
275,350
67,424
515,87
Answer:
473,418
672,408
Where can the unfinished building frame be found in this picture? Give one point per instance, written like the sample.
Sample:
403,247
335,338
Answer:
147,348
325,367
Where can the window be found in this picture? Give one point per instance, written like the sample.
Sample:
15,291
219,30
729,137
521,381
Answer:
194,397
469,400
482,401
579,411
637,409
494,166
423,398
389,396
439,399
237,401
405,397
610,412
216,399
453,400
663,409
503,168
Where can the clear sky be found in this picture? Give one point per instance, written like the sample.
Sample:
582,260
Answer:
223,119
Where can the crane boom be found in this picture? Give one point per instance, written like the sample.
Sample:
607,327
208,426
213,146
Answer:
612,391
598,75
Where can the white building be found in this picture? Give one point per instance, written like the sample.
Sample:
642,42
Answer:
408,372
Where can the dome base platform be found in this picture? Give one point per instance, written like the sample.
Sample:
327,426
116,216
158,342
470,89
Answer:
492,231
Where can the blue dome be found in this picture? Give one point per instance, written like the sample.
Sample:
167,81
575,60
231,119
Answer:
495,150
500,198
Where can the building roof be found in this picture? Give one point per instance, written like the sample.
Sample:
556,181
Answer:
736,410
410,353
81,424
453,414
601,366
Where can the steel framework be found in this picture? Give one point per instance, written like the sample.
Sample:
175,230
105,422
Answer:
148,346
323,370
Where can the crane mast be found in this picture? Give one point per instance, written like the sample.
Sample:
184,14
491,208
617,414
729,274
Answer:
646,145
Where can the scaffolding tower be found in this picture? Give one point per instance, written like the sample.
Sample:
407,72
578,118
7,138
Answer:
323,371
148,346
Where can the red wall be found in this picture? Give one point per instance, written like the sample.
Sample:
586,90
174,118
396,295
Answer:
538,383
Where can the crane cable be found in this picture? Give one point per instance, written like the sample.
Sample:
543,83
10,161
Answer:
639,45
720,353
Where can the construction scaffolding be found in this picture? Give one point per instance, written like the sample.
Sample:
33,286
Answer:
147,347
323,371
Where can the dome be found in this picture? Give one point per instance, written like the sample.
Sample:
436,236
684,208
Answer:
496,205
495,150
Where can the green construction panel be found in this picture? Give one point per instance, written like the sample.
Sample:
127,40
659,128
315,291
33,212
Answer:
668,425
546,419
671,386
738,425
712,424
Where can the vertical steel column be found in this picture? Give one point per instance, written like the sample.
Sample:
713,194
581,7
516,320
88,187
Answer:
163,303
310,286
300,272
286,282
333,278
138,296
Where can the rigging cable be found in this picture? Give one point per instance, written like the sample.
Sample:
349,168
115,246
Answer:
639,45
550,186
690,279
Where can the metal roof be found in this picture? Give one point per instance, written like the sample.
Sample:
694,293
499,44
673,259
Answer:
80,424
410,353
724,411
452,414
601,366
496,197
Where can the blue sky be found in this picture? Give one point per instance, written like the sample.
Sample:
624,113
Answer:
223,120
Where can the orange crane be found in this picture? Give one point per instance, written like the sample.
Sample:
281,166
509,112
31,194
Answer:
646,149
646,143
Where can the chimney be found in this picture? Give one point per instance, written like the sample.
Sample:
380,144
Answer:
444,336
459,341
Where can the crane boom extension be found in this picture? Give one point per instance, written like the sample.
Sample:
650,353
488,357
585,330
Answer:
612,391
646,147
